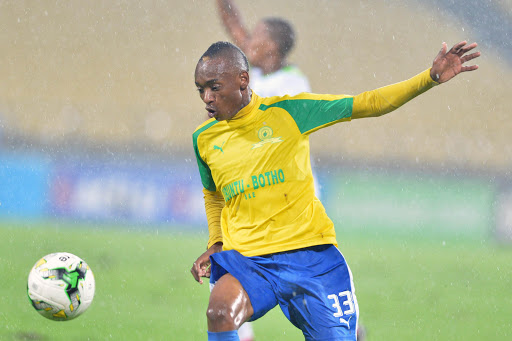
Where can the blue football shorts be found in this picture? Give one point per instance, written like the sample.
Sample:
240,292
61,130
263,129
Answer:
313,286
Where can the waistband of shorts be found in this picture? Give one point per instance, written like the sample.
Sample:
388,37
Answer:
320,247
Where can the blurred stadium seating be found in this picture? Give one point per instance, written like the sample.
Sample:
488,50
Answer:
111,73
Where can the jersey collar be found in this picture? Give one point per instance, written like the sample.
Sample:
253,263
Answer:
248,111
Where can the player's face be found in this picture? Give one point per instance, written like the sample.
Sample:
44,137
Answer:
221,87
260,45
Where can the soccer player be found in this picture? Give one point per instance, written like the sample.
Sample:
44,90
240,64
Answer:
270,239
267,48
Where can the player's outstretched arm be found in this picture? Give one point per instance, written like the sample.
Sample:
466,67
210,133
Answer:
201,267
449,64
233,22
446,65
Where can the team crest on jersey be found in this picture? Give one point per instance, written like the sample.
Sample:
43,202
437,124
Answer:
265,135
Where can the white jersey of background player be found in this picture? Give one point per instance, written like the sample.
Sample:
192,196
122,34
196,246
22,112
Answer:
288,80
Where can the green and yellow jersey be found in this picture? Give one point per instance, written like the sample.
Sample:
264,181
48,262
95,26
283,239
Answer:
256,171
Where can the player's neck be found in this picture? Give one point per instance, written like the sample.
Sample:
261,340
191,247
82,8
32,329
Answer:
272,65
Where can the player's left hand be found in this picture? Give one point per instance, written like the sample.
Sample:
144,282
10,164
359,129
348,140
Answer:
447,65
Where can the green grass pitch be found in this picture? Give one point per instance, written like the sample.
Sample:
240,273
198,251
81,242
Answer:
408,287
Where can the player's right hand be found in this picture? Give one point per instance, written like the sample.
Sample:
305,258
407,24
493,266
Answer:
201,267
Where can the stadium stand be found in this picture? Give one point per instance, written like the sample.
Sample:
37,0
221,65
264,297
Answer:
111,74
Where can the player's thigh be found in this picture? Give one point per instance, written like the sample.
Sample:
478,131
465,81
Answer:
229,296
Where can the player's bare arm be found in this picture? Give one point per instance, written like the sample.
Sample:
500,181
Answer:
447,65
201,267
233,22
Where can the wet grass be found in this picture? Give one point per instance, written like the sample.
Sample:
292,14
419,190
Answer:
408,287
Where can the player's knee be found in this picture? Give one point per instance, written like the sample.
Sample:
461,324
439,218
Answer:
222,316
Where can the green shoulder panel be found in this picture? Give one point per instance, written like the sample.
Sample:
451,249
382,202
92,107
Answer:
204,170
312,114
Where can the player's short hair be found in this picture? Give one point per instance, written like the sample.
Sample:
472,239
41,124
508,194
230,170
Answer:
281,32
226,49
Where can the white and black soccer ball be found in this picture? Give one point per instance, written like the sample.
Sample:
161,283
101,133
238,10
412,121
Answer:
61,286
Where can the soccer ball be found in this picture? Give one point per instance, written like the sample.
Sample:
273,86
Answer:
61,286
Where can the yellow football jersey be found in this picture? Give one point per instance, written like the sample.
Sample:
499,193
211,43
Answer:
258,162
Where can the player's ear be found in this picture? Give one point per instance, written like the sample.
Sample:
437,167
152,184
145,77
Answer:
244,80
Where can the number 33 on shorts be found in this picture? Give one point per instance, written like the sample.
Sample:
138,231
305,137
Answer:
342,301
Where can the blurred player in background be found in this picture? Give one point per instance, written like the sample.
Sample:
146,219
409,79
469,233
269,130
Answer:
267,48
270,240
